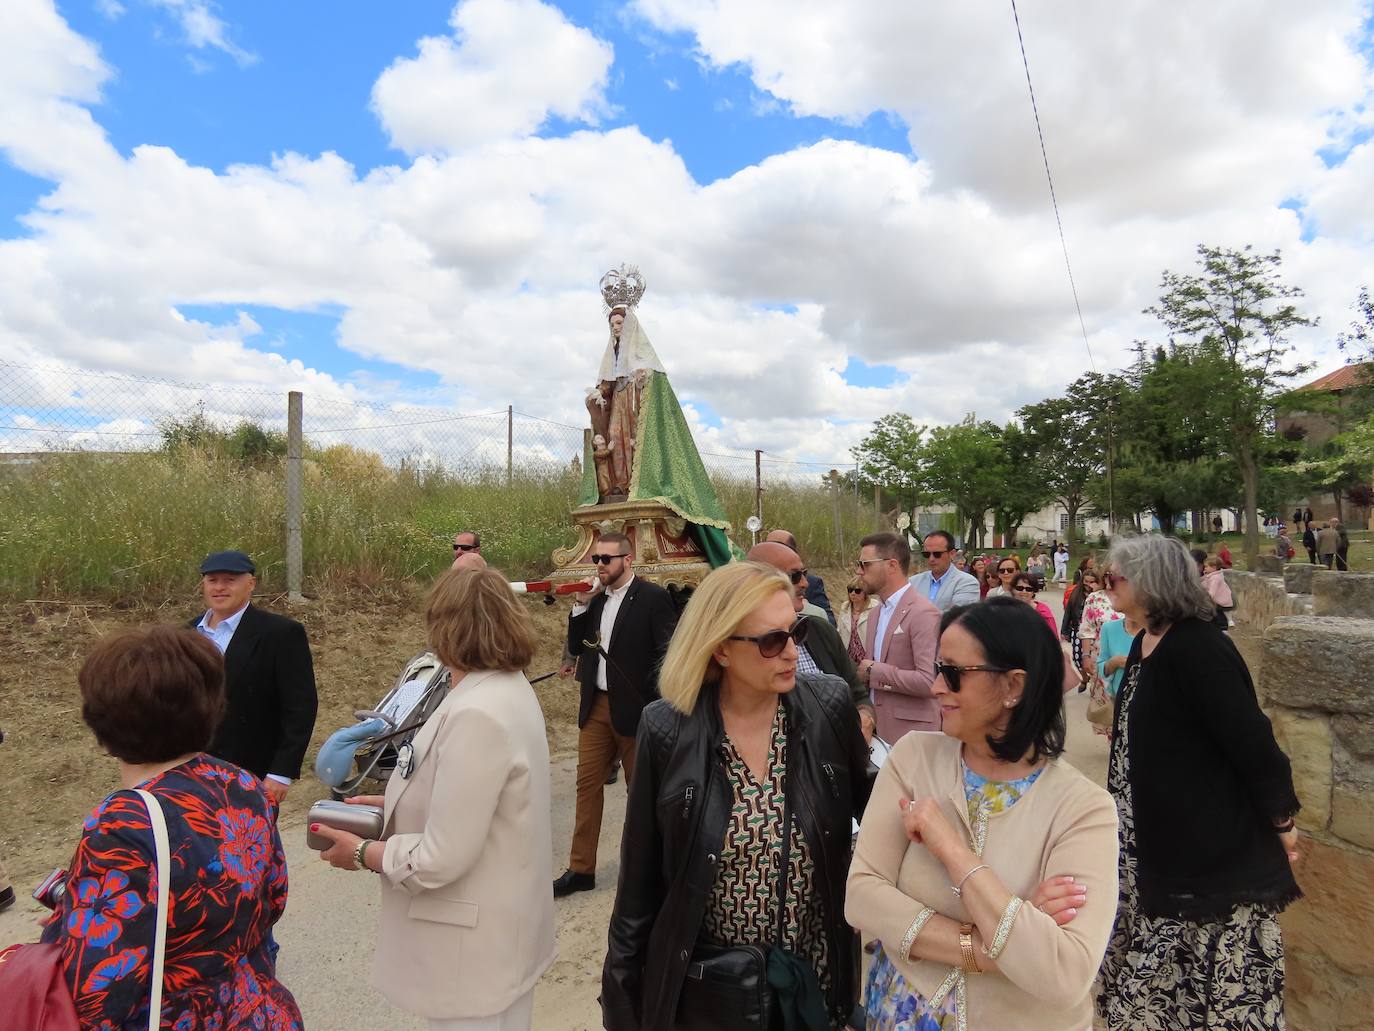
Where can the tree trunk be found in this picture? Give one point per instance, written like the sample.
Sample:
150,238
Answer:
1071,530
1249,475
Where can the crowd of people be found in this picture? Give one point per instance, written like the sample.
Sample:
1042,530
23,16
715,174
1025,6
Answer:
991,884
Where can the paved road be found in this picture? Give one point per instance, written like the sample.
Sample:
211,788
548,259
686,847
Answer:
326,935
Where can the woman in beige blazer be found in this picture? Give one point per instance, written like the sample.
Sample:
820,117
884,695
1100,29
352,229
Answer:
466,857
985,867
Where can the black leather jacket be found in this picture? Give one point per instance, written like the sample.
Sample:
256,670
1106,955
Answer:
675,823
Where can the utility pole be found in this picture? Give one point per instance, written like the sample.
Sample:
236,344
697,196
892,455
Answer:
835,499
1111,481
877,506
758,484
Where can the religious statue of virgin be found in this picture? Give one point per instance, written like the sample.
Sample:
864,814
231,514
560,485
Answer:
641,447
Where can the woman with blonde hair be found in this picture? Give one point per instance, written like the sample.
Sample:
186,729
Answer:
747,777
854,617
466,854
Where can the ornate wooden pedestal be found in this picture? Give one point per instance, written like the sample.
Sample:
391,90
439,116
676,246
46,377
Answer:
663,550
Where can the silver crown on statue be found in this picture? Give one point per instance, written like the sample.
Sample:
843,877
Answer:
622,287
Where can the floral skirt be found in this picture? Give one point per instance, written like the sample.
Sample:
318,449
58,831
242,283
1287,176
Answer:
1163,974
893,1005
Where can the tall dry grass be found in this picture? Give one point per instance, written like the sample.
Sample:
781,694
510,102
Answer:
126,526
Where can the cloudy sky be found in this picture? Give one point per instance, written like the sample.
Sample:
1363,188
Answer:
841,209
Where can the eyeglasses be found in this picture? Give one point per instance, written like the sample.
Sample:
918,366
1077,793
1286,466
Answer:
952,673
857,590
1023,590
772,643
465,547
865,562
1008,571
1110,580
797,575
605,560
935,554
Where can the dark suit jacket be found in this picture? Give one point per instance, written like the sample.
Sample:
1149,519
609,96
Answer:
270,687
825,647
815,594
643,627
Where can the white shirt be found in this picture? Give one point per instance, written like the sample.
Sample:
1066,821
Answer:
220,636
885,611
608,614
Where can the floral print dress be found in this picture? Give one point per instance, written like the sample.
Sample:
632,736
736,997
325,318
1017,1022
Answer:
890,1003
1166,974
1097,611
228,887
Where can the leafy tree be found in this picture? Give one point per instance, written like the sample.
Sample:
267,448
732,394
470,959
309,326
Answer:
1068,435
1232,317
889,455
964,464
1024,489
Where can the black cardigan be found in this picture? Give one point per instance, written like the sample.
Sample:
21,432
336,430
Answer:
1208,781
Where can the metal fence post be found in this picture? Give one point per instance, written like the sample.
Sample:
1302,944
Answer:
510,442
295,496
758,484
835,500
877,506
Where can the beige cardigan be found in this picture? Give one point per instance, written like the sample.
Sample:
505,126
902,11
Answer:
466,925
1064,824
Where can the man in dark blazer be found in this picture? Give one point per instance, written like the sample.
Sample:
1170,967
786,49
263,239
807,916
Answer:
269,675
815,586
822,651
618,632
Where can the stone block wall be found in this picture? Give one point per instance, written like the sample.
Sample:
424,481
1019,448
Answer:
1317,685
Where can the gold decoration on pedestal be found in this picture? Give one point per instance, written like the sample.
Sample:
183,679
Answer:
662,549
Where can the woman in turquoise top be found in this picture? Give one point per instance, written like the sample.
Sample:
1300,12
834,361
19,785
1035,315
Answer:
1113,645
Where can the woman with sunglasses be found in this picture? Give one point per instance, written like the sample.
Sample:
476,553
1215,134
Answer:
1073,614
1024,588
1206,803
854,618
1006,569
986,867
739,747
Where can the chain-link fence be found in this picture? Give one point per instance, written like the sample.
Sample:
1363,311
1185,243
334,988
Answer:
113,478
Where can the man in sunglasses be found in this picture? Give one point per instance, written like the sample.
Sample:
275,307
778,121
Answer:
821,651
466,543
815,586
618,630
940,583
902,637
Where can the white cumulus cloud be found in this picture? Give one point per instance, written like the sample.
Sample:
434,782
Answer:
509,66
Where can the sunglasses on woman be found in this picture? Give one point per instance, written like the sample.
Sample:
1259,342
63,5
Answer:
856,590
772,643
1008,571
952,673
1023,590
1110,580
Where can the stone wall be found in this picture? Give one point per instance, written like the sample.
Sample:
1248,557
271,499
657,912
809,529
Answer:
1314,680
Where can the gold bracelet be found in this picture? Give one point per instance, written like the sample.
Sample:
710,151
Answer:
999,940
360,855
909,939
966,947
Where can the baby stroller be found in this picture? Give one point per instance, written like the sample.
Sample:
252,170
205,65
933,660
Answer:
372,745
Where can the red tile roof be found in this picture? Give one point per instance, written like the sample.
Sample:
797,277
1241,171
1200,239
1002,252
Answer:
1344,377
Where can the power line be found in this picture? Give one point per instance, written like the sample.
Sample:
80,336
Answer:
1054,201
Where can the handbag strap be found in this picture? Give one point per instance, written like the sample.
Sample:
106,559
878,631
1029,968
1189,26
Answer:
164,874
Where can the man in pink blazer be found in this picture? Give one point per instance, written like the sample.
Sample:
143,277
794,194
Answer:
902,636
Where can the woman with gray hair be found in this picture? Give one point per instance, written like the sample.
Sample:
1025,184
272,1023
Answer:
1206,805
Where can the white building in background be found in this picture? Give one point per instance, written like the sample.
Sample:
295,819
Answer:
1051,523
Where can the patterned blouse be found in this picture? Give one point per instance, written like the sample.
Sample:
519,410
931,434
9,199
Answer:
743,908
889,1001
1097,613
228,888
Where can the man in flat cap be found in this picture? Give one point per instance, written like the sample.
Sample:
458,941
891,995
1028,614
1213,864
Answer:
269,675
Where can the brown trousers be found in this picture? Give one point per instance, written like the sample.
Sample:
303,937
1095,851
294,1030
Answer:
597,747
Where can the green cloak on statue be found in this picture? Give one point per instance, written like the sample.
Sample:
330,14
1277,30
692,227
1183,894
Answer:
666,468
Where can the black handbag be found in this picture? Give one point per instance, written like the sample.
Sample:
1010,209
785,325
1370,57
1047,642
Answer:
737,987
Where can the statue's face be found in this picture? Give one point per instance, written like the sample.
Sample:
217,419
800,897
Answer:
617,320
